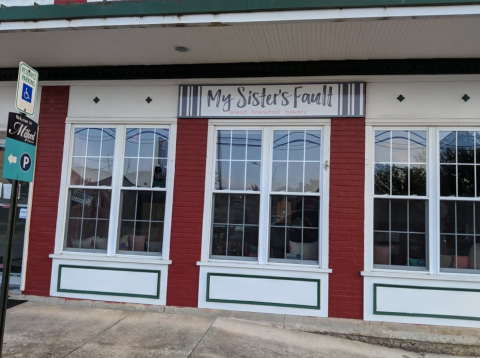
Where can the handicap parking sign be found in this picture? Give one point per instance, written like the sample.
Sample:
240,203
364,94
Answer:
26,89
27,93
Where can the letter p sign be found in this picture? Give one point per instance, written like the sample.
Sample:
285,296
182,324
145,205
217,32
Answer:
25,162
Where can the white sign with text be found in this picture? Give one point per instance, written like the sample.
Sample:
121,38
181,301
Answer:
272,101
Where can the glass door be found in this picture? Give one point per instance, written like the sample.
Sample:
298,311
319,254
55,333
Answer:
20,222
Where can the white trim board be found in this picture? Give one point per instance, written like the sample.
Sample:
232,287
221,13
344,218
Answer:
247,18
423,101
261,300
409,301
109,285
123,101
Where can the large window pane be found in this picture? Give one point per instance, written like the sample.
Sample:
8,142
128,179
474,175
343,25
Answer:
145,163
458,243
400,229
294,228
141,221
87,219
238,162
235,225
92,159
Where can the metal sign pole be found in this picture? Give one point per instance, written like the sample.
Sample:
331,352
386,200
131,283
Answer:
7,262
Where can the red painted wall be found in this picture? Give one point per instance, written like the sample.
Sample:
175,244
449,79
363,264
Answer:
187,215
347,177
48,168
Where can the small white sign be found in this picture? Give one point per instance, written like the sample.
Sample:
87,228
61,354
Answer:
27,84
7,191
23,213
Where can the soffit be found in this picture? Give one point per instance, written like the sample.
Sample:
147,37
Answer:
455,37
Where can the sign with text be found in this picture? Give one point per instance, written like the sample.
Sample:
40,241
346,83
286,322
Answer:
272,101
19,160
26,89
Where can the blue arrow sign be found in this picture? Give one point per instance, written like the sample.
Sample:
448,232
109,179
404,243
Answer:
20,146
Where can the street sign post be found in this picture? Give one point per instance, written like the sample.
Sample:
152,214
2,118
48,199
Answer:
26,89
18,164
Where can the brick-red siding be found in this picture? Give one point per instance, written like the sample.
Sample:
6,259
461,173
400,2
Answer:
347,177
48,169
187,216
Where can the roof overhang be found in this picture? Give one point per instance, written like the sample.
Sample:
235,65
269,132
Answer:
145,33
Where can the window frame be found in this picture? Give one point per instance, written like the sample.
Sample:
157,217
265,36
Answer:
427,197
433,198
116,188
267,127
439,198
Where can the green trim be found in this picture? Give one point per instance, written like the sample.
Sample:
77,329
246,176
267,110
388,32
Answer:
446,66
377,312
317,281
184,7
60,267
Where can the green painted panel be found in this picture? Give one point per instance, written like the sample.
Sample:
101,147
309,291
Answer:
175,7
377,312
60,267
314,307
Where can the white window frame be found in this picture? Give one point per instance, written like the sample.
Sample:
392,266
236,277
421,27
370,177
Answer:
264,219
433,195
117,174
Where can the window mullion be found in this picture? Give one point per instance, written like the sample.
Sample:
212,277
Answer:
116,183
433,193
265,174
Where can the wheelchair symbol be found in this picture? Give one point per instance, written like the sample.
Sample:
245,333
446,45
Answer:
27,92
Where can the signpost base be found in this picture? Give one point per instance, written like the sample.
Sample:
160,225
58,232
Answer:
7,261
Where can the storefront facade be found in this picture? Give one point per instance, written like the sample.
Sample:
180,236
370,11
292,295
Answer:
331,192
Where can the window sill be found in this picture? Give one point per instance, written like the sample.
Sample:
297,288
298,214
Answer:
104,258
424,275
269,266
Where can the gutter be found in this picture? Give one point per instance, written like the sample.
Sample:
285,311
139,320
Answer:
141,8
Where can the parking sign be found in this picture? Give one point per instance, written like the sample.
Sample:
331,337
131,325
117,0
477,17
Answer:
26,89
19,160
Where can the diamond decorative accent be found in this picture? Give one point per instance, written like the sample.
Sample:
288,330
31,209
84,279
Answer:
465,97
96,100
149,100
400,98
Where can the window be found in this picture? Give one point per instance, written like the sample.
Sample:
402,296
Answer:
409,215
459,174
135,224
400,199
275,169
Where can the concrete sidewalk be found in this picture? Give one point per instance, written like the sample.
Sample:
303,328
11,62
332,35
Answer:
76,329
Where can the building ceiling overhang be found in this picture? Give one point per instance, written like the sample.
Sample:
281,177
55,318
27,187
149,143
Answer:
392,33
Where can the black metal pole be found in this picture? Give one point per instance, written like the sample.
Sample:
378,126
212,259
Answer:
7,262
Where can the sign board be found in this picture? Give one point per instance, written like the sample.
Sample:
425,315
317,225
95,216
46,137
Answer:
19,160
26,89
322,100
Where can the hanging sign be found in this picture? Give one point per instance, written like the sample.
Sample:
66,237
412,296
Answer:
272,101
26,89
19,160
